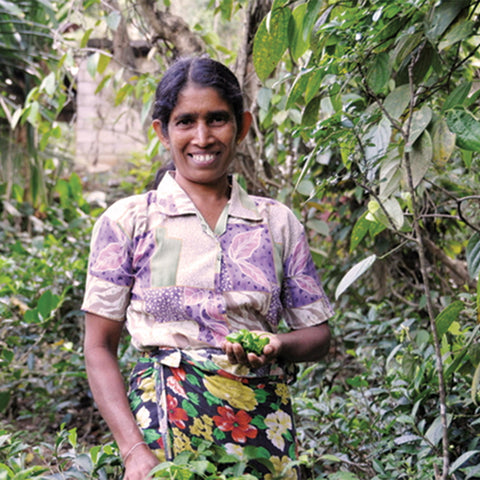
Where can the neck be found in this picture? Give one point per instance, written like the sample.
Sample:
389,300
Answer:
216,192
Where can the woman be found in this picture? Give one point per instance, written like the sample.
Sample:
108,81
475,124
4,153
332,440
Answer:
183,266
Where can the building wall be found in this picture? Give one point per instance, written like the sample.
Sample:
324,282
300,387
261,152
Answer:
107,136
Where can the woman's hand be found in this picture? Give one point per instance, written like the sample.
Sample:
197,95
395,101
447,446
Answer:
308,344
236,353
140,463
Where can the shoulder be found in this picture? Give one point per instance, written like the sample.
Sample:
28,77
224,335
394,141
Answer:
275,211
129,206
127,214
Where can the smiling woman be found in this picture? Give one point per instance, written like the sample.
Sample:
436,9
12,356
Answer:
201,136
182,267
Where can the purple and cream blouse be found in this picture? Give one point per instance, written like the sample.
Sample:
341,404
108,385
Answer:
157,265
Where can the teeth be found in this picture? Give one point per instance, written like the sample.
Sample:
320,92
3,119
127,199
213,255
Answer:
203,158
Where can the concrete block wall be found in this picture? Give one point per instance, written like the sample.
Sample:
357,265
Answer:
106,135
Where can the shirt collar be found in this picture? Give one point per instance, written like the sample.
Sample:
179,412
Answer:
173,201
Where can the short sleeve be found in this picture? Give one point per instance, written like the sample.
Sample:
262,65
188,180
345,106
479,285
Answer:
303,298
109,276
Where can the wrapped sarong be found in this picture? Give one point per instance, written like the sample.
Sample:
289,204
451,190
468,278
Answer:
180,399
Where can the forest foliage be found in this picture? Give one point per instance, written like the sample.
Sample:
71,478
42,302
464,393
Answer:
367,124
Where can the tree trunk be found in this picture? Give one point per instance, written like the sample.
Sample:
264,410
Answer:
171,29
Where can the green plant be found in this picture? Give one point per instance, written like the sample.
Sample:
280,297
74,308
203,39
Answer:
250,341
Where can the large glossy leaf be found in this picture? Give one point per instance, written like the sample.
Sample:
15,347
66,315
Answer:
397,101
379,73
390,175
473,255
475,384
421,158
360,229
443,16
354,273
447,316
387,213
377,140
435,431
467,128
420,121
298,87
443,142
457,96
271,41
459,32
298,41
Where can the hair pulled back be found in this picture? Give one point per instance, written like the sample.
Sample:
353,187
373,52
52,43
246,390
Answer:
204,72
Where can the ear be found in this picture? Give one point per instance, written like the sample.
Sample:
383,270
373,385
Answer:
157,126
247,121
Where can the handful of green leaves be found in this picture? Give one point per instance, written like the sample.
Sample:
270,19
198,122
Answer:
250,341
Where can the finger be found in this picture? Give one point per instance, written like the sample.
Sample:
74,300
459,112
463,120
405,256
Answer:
236,354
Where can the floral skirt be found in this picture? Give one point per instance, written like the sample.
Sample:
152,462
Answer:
179,406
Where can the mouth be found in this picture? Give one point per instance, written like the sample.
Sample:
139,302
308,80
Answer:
204,158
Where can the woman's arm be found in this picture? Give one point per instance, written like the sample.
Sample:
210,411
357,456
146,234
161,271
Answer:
304,345
102,337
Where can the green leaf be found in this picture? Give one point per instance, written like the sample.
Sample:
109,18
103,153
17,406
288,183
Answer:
354,273
85,38
377,140
298,43
47,303
420,121
390,175
461,460
379,74
313,9
271,41
226,7
447,316
467,128
331,458
4,400
311,111
443,16
314,83
103,62
298,87
421,157
391,215
475,384
360,229
458,33
473,255
397,101
443,142
457,96
342,476
435,431
406,44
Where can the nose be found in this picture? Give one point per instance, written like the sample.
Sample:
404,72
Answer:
203,134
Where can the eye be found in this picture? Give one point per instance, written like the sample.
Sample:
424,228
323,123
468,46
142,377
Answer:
184,121
218,119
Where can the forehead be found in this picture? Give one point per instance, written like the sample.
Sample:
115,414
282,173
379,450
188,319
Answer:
196,99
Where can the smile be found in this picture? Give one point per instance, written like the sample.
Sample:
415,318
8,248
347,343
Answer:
203,159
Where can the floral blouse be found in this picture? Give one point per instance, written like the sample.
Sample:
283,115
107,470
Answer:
156,264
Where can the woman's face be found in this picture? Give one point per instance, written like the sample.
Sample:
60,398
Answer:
202,136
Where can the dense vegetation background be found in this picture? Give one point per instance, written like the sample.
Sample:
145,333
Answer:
366,124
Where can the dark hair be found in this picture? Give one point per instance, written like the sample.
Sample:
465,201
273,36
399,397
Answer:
202,71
